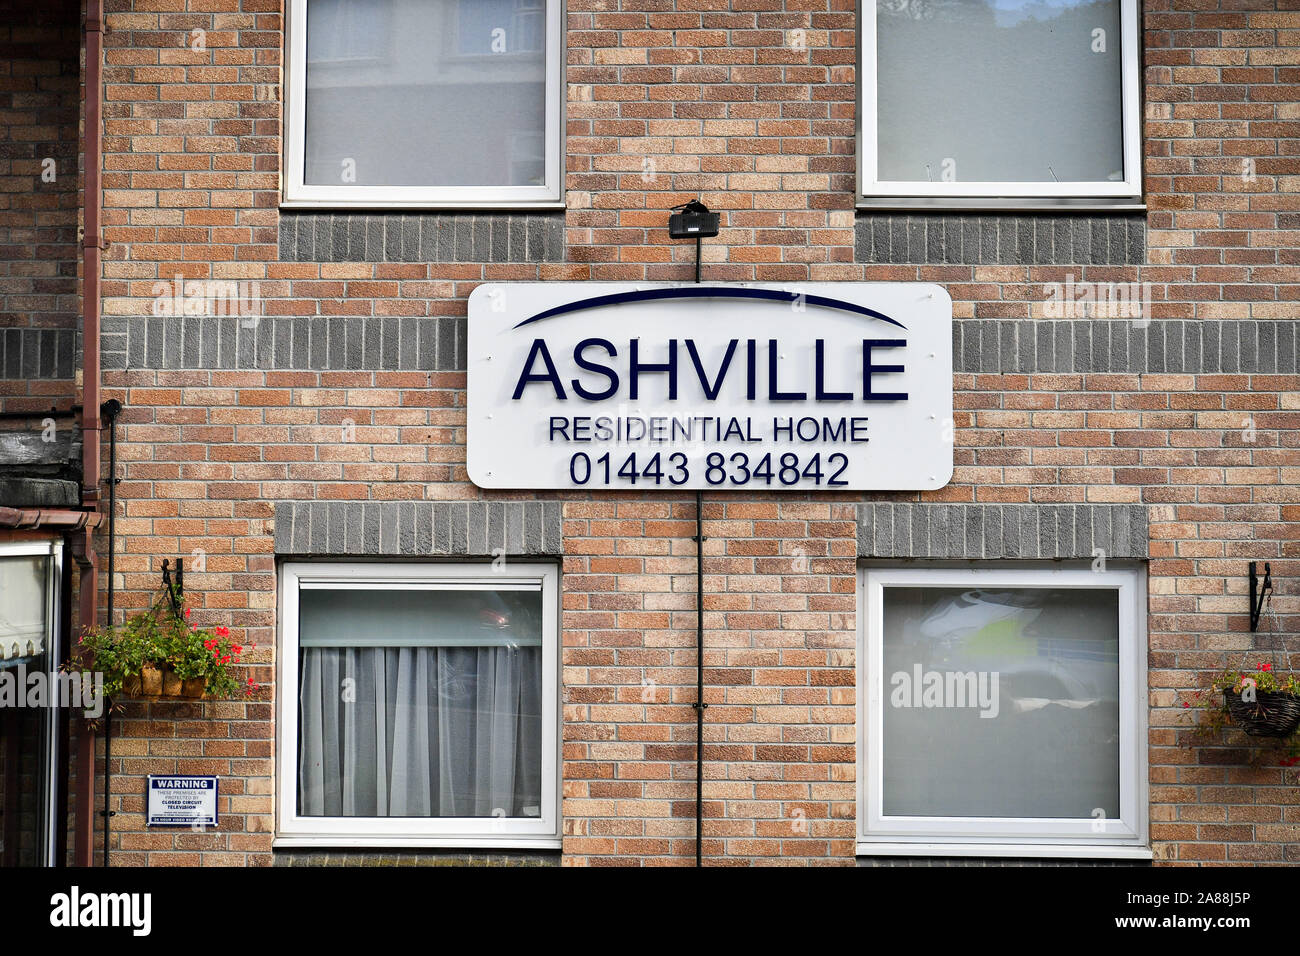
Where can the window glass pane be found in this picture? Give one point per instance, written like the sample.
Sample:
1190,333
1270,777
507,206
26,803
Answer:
421,617
999,91
1001,702
22,606
425,92
434,710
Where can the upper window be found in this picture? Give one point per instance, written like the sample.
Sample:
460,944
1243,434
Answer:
435,103
964,102
1004,712
418,705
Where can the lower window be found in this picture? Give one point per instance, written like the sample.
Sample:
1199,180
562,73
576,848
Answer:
418,705
1003,711
33,720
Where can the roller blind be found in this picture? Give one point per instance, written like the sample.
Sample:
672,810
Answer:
354,617
23,606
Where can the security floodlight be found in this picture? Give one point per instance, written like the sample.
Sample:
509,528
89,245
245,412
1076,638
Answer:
693,222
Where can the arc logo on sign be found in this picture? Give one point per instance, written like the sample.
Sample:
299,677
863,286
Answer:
656,386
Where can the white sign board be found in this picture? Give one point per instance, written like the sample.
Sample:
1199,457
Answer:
181,801
658,386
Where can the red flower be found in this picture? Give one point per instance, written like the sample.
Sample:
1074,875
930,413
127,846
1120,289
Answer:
1266,667
187,612
237,649
222,631
1186,704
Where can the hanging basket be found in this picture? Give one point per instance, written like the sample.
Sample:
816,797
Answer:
1270,714
155,681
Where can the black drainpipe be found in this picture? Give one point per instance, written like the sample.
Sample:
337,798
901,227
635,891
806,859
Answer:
110,410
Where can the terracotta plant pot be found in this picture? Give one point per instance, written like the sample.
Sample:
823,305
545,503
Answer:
155,681
151,680
171,684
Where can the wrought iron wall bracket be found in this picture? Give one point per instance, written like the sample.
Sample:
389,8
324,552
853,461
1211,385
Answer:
175,591
1259,593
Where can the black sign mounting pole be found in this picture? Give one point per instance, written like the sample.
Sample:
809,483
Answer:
699,678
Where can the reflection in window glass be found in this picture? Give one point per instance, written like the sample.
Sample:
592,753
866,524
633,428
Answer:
501,26
1001,702
1008,91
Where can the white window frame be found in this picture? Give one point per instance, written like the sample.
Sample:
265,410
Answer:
293,830
1124,838
299,194
875,193
54,656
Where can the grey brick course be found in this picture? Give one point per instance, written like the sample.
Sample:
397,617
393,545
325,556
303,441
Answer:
39,353
1179,346
417,528
1001,531
421,237
438,344
992,239
372,343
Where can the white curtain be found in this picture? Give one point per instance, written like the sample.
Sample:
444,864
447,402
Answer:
420,731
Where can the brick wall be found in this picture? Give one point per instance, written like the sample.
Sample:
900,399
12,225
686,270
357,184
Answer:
710,92
779,584
39,100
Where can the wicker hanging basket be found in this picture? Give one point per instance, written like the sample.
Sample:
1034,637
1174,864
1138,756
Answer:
1270,714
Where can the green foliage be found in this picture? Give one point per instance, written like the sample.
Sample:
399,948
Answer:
164,637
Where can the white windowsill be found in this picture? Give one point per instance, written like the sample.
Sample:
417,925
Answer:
995,204
359,841
1034,850
358,207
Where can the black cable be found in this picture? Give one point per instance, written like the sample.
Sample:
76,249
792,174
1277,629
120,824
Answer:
110,410
699,678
